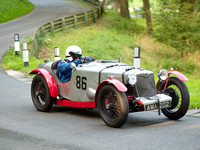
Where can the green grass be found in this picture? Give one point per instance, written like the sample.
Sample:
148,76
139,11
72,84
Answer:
11,61
11,9
110,38
193,85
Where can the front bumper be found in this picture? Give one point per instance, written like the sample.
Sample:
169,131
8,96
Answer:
158,101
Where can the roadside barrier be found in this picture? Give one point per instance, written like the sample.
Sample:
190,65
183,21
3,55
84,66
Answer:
67,22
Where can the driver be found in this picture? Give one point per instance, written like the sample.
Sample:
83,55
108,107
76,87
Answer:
74,55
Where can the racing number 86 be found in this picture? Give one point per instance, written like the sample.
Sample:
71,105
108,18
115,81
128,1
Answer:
81,83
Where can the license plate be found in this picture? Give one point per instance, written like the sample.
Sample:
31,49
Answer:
165,104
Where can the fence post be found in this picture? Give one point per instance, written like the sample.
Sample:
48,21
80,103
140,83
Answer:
63,24
34,47
98,10
93,16
37,44
42,32
75,21
85,16
102,8
52,28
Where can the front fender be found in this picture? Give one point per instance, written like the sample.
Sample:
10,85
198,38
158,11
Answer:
49,79
178,74
119,85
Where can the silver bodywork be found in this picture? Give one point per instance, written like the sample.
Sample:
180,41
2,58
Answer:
87,77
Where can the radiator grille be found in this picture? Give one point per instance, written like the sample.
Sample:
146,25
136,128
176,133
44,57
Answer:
146,85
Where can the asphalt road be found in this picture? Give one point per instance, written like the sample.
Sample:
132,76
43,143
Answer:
22,127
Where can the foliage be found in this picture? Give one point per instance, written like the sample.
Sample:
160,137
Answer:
175,25
10,9
124,25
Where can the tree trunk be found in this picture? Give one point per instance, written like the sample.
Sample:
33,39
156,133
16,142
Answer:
105,2
147,15
193,2
193,5
124,11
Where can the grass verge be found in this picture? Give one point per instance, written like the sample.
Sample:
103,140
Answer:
11,9
113,37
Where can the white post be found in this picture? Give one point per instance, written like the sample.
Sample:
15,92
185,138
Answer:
56,53
137,57
16,44
25,54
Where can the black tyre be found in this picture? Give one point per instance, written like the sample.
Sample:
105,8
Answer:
40,94
180,98
113,106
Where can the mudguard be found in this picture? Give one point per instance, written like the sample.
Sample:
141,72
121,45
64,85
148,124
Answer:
119,85
178,74
49,79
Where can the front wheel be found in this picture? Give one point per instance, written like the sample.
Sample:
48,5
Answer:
113,106
179,93
40,94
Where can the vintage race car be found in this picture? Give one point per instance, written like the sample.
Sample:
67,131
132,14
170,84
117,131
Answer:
113,87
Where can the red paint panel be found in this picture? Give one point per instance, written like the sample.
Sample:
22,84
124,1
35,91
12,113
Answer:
119,85
178,74
75,104
49,79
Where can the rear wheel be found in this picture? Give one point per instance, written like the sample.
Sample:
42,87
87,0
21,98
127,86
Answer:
113,106
180,98
40,94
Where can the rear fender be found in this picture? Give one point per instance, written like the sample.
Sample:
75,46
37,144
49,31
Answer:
119,85
178,74
49,79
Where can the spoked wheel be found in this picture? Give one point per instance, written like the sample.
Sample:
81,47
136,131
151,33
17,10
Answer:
113,106
179,93
40,94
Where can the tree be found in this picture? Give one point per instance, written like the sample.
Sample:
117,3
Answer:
192,4
147,15
177,26
124,11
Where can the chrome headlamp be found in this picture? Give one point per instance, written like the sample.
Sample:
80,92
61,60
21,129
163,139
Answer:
132,79
162,74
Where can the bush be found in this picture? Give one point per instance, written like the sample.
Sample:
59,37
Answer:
177,26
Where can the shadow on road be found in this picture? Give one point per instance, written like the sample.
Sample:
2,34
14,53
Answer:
90,113
140,119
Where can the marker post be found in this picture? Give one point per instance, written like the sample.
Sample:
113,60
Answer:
16,44
56,53
137,57
25,55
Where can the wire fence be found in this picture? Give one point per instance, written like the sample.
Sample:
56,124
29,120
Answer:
67,22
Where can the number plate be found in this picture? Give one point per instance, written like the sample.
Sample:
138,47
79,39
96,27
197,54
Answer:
165,104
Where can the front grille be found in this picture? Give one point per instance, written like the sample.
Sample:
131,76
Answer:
146,85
